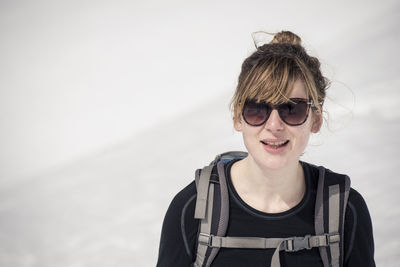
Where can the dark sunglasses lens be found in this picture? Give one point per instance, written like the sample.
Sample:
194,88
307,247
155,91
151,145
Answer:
255,113
294,113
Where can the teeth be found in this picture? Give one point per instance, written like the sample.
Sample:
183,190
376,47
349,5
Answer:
275,143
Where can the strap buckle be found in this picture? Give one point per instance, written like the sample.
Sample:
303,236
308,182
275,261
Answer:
294,244
332,238
205,239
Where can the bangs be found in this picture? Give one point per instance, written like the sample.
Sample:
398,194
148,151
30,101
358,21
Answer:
271,81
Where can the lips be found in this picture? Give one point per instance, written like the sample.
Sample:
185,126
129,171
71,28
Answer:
275,143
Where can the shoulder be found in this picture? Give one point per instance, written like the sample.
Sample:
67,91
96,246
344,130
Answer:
356,206
357,201
179,229
359,241
181,201
357,211
358,232
315,172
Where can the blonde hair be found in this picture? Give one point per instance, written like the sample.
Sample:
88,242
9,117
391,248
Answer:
270,72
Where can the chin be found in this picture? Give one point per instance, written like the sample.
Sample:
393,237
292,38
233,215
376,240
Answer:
274,165
271,163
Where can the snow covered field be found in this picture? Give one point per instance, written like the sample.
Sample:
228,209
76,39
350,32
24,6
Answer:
106,208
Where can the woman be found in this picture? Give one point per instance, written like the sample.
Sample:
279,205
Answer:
273,196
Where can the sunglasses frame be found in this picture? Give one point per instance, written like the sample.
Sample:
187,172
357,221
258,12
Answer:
309,102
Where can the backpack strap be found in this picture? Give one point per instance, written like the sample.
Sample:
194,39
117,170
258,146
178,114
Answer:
205,229
202,183
319,213
216,209
290,244
212,208
228,156
212,205
345,201
216,217
330,209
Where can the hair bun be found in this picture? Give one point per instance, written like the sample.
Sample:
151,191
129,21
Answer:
286,37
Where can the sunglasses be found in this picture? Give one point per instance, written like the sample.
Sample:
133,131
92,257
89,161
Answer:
293,112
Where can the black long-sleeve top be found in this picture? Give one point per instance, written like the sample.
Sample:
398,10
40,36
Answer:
179,231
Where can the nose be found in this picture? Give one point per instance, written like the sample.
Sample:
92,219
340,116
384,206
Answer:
274,122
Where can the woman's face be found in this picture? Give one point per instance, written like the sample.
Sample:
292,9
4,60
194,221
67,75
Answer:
263,142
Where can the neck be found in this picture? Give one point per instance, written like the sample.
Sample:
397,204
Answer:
269,190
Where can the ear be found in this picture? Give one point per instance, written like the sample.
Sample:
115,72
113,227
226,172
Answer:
317,122
237,124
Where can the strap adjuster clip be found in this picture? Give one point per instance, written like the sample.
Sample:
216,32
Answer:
332,238
294,244
205,239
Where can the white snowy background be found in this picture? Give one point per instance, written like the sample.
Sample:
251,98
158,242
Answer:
108,107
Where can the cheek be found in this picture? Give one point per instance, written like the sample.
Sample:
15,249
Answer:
304,141
250,138
303,136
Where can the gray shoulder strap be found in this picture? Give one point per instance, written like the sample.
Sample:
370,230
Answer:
346,198
336,218
205,230
319,213
223,206
335,215
202,192
205,253
224,217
